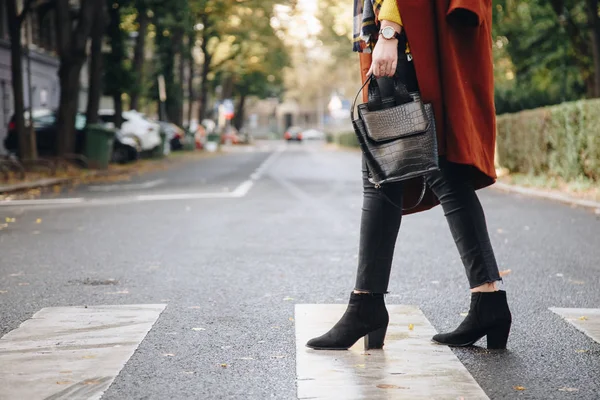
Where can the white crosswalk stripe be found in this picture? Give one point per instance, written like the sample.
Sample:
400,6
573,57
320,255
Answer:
410,367
587,320
77,352
71,352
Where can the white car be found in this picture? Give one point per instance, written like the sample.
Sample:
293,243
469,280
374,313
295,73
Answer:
135,125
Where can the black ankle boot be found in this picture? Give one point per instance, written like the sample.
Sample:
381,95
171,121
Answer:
488,315
366,316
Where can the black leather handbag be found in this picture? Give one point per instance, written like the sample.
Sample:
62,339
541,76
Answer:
397,135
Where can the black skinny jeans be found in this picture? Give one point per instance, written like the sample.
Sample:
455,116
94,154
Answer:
382,214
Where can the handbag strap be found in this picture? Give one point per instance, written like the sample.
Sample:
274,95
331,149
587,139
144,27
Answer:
421,197
369,78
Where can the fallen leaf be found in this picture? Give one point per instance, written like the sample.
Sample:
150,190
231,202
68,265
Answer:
291,319
568,389
38,221
576,282
223,365
64,382
91,382
464,314
387,386
411,327
583,318
519,388
88,357
17,274
359,366
195,307
500,230
198,329
288,298
169,355
581,351
189,372
3,291
505,273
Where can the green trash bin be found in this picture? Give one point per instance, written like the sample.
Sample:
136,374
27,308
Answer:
160,150
98,145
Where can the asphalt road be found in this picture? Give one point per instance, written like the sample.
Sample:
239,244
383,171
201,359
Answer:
235,266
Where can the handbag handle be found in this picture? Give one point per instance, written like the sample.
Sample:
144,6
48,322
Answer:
401,94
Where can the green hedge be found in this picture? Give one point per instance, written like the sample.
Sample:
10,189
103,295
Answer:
558,141
347,139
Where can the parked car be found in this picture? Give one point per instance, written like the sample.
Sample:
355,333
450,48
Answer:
230,136
45,127
175,134
135,125
293,133
125,149
313,134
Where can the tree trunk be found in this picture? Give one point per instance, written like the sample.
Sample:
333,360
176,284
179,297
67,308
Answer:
181,81
118,104
72,40
115,58
26,137
238,121
139,56
191,93
95,90
69,94
204,83
594,24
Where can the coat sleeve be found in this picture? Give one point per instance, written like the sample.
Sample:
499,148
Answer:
467,12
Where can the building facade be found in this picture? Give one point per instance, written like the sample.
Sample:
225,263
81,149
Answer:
44,64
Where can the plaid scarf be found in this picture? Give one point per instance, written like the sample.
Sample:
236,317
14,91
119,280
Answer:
365,24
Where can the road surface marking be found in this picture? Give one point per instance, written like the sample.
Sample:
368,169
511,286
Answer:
586,320
42,202
127,186
410,367
240,191
71,352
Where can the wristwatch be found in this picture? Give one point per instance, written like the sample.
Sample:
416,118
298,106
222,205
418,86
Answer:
389,33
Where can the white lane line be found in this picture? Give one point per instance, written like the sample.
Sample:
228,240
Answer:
586,320
127,186
409,367
71,352
240,191
42,202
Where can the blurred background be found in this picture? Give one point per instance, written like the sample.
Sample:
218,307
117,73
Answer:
194,74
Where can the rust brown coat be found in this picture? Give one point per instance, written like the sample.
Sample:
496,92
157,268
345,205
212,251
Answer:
451,44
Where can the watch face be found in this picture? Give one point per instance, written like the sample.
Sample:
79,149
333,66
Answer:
388,32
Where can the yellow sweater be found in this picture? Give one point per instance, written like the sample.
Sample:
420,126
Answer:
389,12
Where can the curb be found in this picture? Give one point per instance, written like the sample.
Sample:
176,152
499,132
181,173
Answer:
558,197
17,187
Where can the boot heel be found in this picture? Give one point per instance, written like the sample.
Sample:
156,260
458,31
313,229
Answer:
375,339
497,337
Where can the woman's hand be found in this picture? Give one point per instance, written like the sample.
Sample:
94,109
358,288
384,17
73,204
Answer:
385,57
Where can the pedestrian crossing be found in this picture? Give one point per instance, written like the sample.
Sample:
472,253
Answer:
77,352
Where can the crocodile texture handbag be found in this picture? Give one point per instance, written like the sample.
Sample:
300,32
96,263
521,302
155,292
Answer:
397,135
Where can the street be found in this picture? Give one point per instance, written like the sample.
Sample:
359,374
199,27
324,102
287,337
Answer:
233,246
